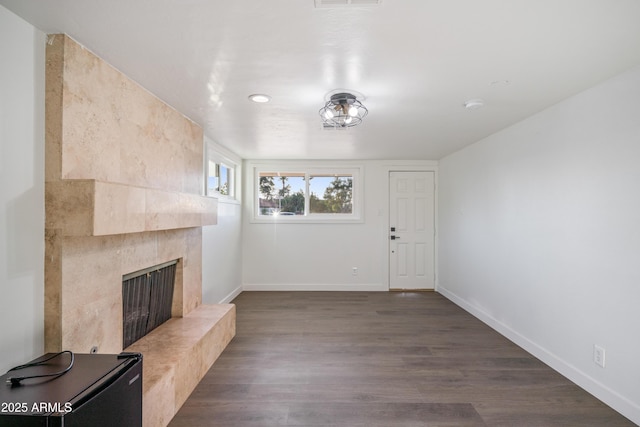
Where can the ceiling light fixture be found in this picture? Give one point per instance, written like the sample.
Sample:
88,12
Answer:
343,110
259,98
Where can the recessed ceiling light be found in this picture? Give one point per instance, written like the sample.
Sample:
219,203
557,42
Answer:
474,104
259,98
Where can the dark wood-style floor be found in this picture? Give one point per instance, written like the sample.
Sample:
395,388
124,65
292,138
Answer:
379,359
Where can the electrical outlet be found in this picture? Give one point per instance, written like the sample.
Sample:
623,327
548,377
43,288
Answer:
598,355
354,271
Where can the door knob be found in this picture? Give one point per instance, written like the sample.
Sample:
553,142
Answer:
395,237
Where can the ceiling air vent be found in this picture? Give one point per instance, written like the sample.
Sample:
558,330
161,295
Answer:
341,3
326,126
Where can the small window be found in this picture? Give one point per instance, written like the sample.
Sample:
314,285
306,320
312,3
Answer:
220,179
299,195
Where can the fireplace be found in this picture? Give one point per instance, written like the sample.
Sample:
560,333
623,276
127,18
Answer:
124,176
147,297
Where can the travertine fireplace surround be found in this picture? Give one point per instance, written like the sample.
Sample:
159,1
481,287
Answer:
124,174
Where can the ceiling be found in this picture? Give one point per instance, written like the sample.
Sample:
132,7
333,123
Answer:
413,64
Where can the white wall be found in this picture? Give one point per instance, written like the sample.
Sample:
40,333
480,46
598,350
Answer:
539,231
21,191
321,256
222,243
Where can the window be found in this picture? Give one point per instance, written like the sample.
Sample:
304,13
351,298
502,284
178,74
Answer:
335,194
220,179
281,193
222,173
304,195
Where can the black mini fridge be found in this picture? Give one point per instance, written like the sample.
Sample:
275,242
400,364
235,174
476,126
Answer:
99,390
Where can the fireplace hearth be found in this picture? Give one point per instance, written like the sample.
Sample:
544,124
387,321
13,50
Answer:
147,297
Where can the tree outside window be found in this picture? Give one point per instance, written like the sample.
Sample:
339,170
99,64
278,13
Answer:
337,197
300,194
281,193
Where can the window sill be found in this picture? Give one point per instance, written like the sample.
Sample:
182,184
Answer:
299,219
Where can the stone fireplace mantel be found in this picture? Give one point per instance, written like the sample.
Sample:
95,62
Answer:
95,208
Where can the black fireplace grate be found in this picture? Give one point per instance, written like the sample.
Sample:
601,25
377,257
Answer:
147,297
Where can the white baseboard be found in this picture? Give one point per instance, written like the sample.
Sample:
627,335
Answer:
618,402
363,287
232,295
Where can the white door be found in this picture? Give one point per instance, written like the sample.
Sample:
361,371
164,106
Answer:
411,230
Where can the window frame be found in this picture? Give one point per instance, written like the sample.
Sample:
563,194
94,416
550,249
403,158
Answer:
229,179
356,172
214,156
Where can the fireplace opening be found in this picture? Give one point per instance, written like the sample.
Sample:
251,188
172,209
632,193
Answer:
147,296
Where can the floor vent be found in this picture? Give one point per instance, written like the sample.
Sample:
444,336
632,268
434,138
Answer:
342,3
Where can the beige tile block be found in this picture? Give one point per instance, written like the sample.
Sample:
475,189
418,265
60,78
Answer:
89,282
192,275
163,210
90,268
96,323
91,290
118,209
69,207
138,251
193,153
172,243
167,210
116,131
158,400
177,305
188,373
52,293
166,161
91,134
222,334
53,107
135,163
